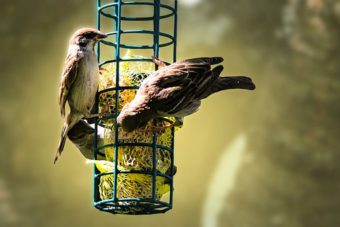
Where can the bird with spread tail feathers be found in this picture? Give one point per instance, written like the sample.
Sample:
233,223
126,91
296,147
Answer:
79,80
176,90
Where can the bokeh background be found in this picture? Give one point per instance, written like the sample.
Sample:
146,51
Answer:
247,159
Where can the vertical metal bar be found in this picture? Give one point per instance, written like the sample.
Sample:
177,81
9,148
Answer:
98,58
173,130
156,27
172,167
175,32
118,10
156,24
95,142
98,27
96,101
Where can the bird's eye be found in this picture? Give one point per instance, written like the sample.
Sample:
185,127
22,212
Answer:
82,41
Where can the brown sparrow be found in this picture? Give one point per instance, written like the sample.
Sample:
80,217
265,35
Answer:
79,80
82,136
176,90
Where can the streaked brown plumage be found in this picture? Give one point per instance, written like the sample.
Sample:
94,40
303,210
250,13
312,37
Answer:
79,80
176,90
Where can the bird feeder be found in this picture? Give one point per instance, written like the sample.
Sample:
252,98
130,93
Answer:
139,179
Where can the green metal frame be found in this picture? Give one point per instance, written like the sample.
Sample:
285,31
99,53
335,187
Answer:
147,205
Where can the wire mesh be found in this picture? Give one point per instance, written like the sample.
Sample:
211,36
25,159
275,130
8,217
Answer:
112,10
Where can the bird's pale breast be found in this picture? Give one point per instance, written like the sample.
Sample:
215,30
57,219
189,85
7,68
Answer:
85,86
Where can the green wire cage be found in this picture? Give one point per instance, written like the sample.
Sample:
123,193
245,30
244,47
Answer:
131,187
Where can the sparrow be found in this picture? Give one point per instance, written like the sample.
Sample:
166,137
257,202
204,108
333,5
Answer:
82,136
176,90
79,80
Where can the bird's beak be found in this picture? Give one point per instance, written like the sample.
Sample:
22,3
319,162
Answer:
101,36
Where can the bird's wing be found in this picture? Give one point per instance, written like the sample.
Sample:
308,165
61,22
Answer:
176,85
69,75
206,60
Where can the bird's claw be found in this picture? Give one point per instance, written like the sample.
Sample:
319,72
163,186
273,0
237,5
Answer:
97,115
162,129
101,70
158,62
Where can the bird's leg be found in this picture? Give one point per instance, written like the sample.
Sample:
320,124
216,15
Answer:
162,129
177,123
90,116
101,70
97,115
159,62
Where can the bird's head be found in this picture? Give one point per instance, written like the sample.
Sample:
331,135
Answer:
87,37
131,118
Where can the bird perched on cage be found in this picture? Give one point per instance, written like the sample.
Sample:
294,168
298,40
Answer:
176,90
130,185
82,136
79,80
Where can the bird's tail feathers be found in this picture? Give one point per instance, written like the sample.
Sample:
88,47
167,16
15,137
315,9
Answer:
61,142
62,102
71,120
205,87
62,112
233,82
210,61
217,70
214,60
225,83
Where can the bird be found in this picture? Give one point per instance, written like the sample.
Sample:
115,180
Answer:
176,90
82,136
79,80
130,185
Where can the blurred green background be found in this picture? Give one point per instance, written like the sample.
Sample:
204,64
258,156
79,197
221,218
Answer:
246,159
